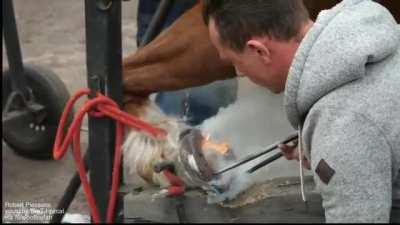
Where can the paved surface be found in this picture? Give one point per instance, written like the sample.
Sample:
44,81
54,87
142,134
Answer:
52,34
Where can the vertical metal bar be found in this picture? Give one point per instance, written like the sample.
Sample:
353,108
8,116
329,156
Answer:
14,55
154,27
104,68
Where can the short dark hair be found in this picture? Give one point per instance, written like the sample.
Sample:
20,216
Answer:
239,20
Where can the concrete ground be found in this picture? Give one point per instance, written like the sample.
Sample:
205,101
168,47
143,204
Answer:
52,35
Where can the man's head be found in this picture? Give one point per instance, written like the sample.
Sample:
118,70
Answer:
260,37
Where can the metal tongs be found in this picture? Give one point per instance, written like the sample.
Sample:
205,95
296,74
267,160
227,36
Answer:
255,156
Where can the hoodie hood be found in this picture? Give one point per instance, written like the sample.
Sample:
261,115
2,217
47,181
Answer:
336,51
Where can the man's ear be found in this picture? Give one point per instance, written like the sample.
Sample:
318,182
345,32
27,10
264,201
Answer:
259,48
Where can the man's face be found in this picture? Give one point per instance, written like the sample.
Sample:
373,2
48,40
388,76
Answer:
258,67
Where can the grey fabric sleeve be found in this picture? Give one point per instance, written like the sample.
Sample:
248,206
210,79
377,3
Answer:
360,189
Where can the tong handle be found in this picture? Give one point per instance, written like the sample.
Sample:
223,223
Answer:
255,156
265,162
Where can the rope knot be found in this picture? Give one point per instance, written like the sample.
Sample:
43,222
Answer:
99,106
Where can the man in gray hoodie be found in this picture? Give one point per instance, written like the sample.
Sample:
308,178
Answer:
341,78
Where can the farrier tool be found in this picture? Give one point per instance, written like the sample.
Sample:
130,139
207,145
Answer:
265,162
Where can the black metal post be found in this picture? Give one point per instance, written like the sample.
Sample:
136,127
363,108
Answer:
104,68
97,83
14,55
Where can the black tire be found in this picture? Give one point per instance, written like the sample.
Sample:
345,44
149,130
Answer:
49,91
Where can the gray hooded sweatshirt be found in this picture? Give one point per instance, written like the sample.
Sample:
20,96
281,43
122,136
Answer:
343,92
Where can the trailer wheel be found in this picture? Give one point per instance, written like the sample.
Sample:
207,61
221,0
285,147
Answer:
25,136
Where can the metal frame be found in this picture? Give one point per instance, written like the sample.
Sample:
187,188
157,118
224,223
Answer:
104,67
104,73
20,105
14,54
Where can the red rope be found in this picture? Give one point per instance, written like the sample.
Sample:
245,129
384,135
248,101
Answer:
177,187
100,106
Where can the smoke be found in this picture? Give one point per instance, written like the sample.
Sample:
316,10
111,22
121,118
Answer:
256,120
238,181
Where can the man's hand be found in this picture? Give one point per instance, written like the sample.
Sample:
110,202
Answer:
291,152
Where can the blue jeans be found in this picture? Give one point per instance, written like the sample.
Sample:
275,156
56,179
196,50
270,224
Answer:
195,104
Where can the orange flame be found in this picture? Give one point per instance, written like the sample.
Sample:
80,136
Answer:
221,148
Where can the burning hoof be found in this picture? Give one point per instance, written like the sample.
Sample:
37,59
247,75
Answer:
200,163
194,157
199,158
